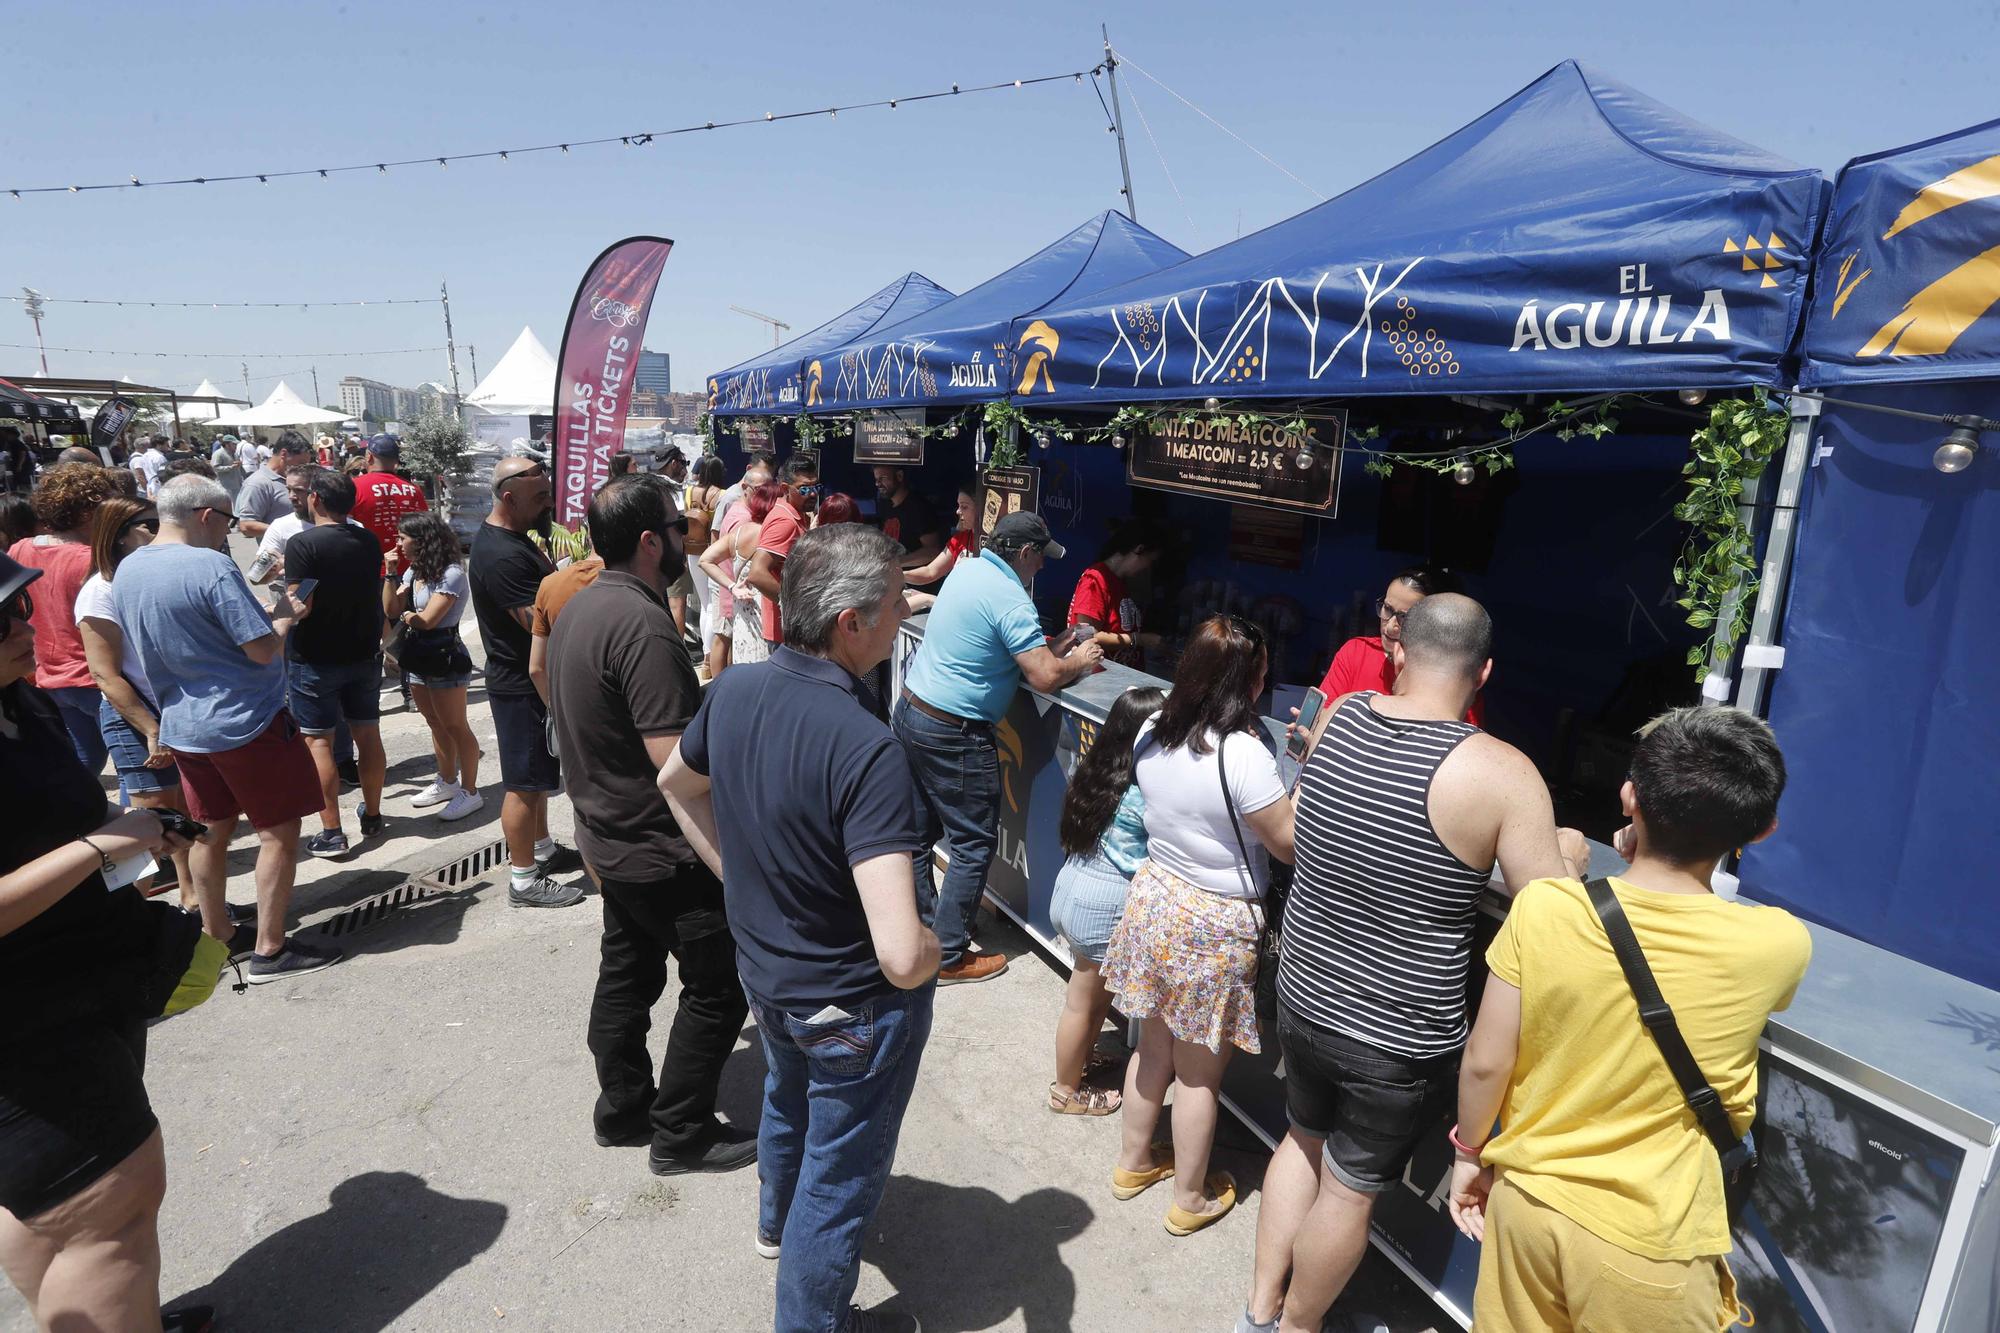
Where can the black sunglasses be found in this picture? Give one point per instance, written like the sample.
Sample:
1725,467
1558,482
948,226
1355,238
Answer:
151,522
21,608
216,509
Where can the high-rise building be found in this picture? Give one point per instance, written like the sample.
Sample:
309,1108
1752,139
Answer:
371,400
655,373
684,410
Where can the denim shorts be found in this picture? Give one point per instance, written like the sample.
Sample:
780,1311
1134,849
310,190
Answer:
128,754
324,696
456,681
520,725
1373,1107
1089,899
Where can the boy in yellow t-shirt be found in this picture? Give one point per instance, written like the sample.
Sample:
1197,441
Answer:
1600,1201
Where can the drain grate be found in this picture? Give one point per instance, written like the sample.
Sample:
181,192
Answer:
446,881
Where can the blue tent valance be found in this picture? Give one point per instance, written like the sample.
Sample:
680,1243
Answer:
1908,280
775,382
959,352
1580,236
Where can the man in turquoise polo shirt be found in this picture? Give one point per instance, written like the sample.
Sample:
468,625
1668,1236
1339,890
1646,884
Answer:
983,639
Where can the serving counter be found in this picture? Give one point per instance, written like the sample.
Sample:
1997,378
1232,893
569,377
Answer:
1879,1107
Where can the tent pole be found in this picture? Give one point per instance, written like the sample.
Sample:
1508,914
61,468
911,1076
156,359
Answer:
1118,122
1753,691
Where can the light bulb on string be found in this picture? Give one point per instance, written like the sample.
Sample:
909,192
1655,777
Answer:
1693,397
1213,404
1957,452
1465,473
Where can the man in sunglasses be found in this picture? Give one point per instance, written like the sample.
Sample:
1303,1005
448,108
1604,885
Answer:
216,659
783,527
505,569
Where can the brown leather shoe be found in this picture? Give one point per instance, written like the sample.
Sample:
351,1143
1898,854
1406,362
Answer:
973,967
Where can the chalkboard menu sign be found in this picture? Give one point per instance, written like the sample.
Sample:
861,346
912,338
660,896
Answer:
1004,491
1256,464
753,433
891,436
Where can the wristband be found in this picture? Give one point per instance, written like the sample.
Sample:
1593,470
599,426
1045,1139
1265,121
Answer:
105,864
1461,1144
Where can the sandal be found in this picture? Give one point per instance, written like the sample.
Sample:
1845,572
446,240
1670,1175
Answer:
1221,1187
1086,1100
1130,1184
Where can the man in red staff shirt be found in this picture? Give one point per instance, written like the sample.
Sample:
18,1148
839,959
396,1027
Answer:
381,498
1366,662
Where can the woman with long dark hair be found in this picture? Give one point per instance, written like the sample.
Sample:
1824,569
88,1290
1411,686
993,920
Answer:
962,543
429,602
1104,833
129,717
1100,609
1367,661
1183,960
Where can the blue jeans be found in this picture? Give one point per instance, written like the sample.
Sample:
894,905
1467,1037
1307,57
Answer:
958,773
78,706
834,1097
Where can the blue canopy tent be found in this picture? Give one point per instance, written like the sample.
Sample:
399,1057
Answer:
1885,701
776,382
1580,236
958,352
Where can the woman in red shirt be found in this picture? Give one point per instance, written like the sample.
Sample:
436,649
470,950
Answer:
66,502
963,542
1100,608
1365,663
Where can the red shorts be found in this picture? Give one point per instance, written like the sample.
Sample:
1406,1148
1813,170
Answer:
271,780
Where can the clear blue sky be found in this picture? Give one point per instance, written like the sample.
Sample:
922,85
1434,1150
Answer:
803,219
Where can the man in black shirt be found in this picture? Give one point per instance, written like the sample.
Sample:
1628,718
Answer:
906,517
336,649
622,689
505,568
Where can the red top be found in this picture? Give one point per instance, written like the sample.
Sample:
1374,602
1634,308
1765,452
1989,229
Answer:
1362,665
59,661
782,529
961,544
382,500
1100,599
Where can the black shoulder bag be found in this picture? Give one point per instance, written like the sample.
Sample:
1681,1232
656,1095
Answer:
1270,939
1739,1155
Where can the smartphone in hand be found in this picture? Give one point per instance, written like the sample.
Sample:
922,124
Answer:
1300,732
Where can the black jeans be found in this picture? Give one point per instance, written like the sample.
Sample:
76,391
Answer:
643,923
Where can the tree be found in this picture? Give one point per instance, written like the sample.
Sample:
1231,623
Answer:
435,445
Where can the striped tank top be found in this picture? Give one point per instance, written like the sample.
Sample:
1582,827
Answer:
1379,923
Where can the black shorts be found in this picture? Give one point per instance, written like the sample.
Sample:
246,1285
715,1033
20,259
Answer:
1373,1107
72,1106
520,724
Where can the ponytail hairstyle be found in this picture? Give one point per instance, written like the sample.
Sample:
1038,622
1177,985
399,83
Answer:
1105,771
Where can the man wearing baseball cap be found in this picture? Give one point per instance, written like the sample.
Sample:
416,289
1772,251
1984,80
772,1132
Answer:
983,639
381,498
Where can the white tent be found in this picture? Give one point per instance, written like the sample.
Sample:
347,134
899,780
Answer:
202,412
282,408
524,381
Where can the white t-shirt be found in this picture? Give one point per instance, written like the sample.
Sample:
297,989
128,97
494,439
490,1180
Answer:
246,455
147,463
1187,824
94,599
283,528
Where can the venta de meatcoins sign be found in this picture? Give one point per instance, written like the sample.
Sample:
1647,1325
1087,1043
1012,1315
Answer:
1256,464
893,437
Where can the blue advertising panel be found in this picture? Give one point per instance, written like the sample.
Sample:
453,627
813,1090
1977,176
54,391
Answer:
959,352
1578,237
786,379
1907,282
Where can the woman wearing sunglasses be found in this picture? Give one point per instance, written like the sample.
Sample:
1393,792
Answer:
1365,662
82,1169
129,717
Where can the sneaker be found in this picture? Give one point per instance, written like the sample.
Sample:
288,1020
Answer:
544,892
328,842
437,793
294,960
559,861
767,1248
238,913
638,1135
461,804
188,1319
1245,1324
879,1320
371,824
349,770
728,1149
973,967
243,940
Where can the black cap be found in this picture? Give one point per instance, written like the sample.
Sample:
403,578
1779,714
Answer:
14,577
1023,528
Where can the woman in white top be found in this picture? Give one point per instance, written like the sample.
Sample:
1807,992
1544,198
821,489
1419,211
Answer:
428,601
727,561
1183,960
129,716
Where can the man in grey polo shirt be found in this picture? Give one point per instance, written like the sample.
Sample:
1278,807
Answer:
264,499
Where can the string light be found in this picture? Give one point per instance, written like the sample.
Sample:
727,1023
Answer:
216,305
197,356
645,137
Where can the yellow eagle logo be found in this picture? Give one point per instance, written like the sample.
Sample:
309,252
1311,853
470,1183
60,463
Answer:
1931,320
1035,368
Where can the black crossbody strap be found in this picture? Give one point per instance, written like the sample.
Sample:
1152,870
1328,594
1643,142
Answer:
1658,1016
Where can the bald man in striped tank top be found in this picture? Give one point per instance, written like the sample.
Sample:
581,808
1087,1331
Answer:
1403,808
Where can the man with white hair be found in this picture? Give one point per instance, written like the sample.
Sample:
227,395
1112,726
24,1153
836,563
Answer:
216,659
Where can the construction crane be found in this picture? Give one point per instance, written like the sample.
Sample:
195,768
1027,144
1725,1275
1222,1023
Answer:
776,324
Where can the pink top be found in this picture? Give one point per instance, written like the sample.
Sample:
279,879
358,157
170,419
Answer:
59,661
782,529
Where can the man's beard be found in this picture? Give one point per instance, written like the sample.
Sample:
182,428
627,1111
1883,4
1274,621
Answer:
544,523
673,564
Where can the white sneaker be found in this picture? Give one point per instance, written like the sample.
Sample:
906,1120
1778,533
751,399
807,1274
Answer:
462,804
437,793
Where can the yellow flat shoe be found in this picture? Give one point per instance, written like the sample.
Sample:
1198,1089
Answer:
1130,1184
1222,1189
